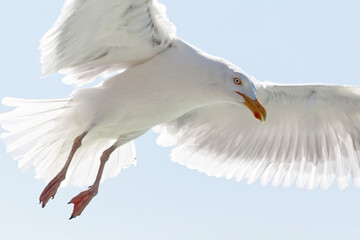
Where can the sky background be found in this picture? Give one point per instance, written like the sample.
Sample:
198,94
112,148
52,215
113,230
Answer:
299,41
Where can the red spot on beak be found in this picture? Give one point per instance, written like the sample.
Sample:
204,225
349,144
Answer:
257,115
255,106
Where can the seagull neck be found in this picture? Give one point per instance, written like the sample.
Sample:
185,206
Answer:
201,73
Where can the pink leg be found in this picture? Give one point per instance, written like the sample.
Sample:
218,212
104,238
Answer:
84,198
53,185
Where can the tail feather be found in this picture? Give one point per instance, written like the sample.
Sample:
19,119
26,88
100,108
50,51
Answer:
41,133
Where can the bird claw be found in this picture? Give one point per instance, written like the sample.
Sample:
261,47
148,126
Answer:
81,201
51,189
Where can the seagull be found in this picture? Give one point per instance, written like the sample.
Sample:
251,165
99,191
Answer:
204,107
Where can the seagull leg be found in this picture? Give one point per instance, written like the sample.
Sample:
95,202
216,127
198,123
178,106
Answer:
53,185
84,198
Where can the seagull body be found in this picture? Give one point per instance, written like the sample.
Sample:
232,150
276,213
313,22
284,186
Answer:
135,101
198,103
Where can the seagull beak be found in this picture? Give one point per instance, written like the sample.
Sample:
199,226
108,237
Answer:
255,106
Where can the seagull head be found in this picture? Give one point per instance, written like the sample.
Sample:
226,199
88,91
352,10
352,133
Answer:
243,91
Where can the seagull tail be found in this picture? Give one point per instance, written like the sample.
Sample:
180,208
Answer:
40,133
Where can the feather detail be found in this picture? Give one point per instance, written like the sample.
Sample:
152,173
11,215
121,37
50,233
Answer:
41,133
93,38
311,137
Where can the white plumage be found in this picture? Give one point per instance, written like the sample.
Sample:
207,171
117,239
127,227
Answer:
91,38
311,136
40,135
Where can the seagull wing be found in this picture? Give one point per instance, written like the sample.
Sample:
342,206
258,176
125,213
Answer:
311,137
95,37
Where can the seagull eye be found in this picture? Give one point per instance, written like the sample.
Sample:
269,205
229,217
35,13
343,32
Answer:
237,81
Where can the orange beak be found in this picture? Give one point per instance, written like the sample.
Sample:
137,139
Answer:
255,106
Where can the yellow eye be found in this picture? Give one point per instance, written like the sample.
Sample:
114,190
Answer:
237,81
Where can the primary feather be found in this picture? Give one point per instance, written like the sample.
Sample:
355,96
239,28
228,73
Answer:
93,37
311,137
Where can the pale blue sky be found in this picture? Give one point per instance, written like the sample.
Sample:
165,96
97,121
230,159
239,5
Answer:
282,41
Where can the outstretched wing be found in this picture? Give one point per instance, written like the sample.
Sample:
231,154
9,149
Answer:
311,137
94,37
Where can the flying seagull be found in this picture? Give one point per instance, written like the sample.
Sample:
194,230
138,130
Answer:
198,103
